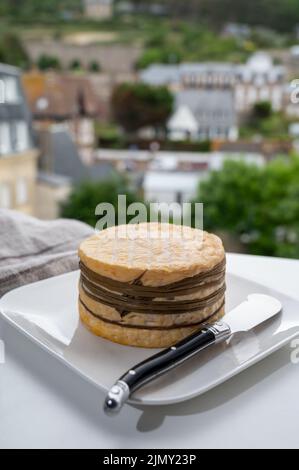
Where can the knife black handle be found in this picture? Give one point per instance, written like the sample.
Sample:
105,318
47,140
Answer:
162,362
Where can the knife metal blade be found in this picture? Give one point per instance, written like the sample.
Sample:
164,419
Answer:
252,312
256,309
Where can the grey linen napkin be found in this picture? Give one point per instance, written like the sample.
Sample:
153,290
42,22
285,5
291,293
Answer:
32,249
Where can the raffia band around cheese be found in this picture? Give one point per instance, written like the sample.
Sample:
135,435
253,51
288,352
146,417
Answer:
128,297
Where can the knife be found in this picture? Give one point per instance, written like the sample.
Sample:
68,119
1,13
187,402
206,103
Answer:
252,312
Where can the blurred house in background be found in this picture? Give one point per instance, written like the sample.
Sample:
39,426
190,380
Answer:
103,85
60,156
207,75
144,7
60,169
164,186
64,108
169,176
162,74
51,191
203,114
98,9
291,98
236,30
175,176
68,99
257,80
18,157
182,125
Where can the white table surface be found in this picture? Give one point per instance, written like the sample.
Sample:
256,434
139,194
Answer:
43,404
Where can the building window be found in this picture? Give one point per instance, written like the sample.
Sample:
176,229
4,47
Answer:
21,136
5,140
240,98
21,191
11,90
251,95
276,98
264,94
5,196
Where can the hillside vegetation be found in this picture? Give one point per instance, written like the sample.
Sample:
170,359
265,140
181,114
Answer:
276,14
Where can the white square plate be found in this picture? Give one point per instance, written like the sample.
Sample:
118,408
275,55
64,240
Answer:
46,311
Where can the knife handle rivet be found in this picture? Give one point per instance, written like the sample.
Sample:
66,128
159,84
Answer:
173,348
132,372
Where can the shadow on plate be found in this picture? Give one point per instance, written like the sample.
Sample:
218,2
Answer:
153,417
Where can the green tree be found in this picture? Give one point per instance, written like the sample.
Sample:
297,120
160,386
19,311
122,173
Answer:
46,62
137,105
94,66
262,109
45,10
258,205
12,51
264,121
75,64
84,198
163,55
